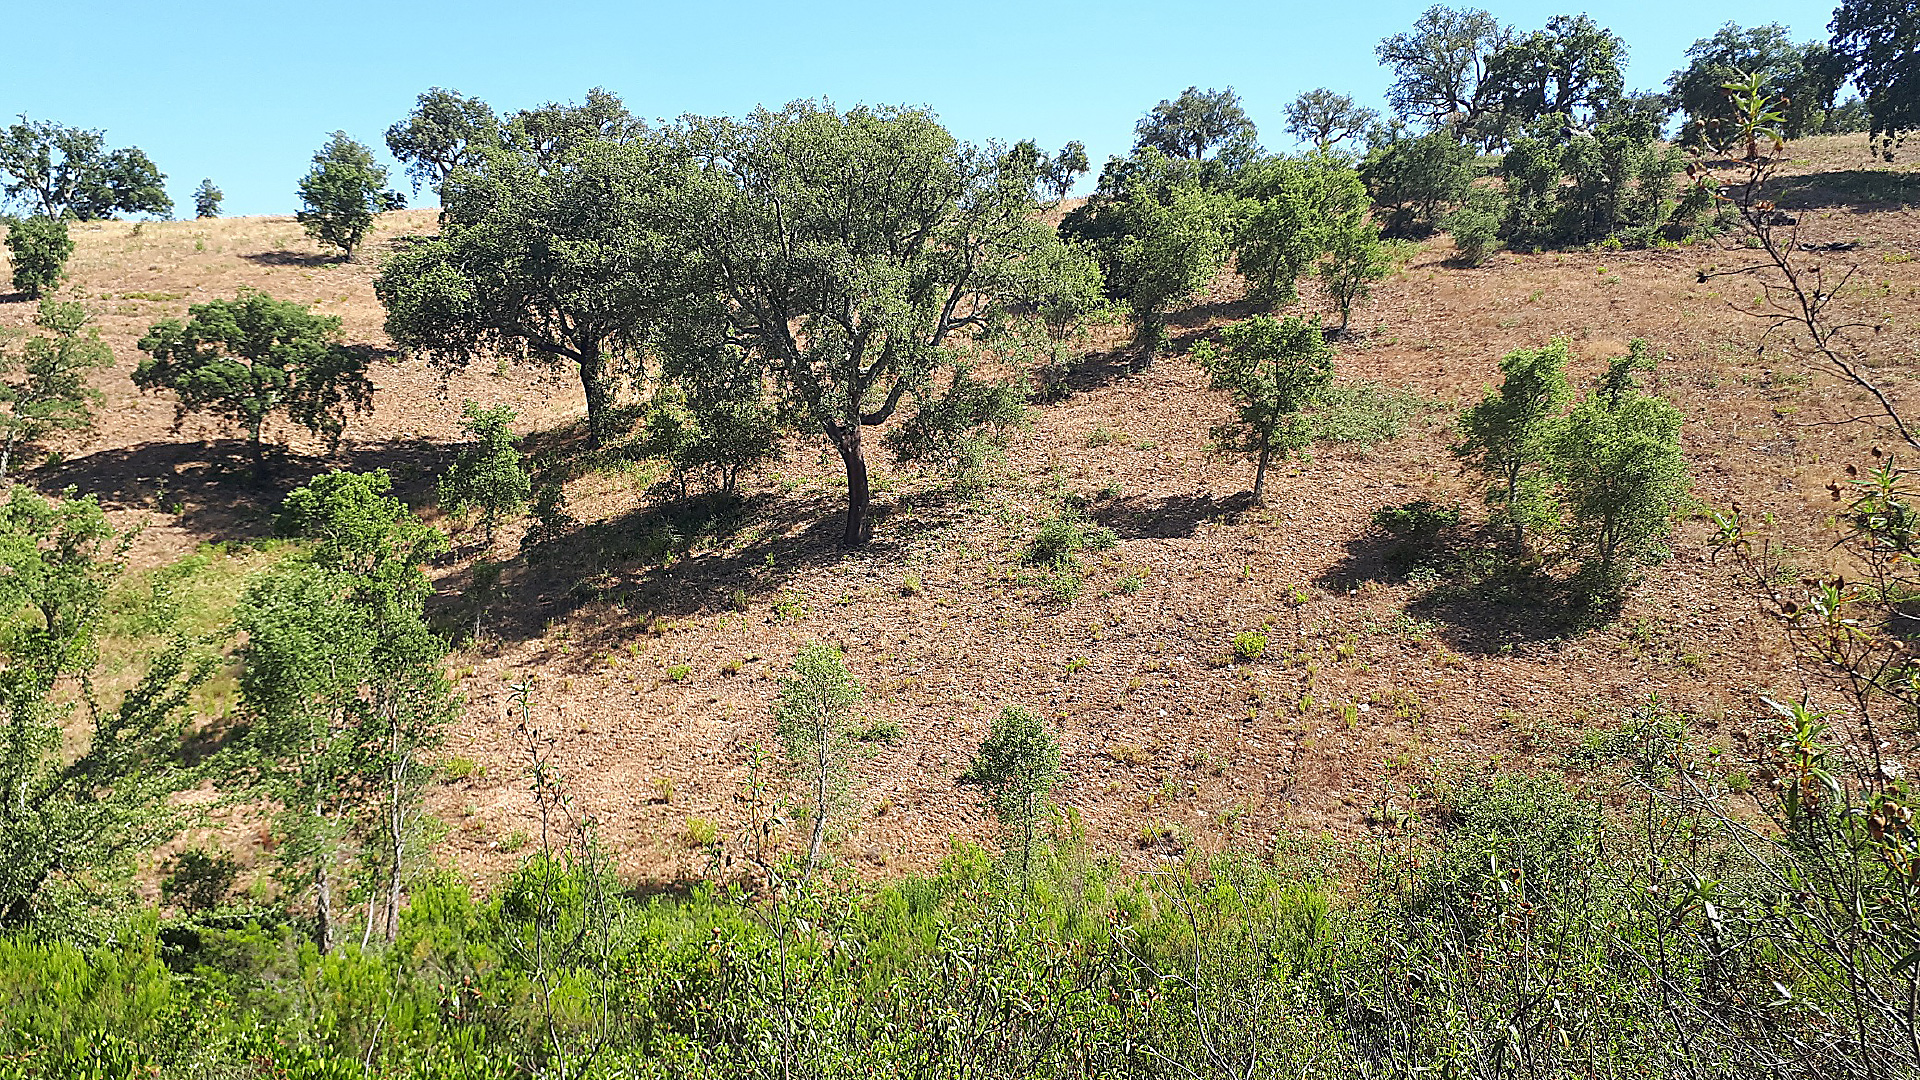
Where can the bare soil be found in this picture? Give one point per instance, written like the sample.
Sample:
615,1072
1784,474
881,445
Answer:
1158,727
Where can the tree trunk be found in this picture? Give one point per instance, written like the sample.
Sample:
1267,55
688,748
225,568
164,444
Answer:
6,454
1260,473
597,380
256,451
859,493
323,905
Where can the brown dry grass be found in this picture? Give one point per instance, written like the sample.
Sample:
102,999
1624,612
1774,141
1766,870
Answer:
1155,725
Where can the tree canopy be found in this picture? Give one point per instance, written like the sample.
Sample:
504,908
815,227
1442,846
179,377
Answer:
572,258
1879,42
444,132
1195,124
1439,67
247,358
61,171
342,192
1803,76
851,252
1321,118
45,389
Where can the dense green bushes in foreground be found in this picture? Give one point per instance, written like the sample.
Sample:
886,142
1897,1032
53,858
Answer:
1527,933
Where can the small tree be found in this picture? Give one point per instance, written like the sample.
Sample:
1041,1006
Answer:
342,192
342,682
1511,435
39,248
490,474
1273,369
1017,767
246,358
1322,119
1282,216
445,131
1355,259
206,200
962,427
1416,178
46,389
1621,473
73,818
814,718
61,171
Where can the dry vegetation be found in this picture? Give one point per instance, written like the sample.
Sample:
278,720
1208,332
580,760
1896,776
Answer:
1370,688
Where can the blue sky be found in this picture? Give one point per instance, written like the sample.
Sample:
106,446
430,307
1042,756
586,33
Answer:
245,92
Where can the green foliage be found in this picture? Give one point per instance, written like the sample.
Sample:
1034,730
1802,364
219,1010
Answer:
342,192
1417,522
445,131
197,879
247,358
1287,214
1197,123
60,172
71,823
1273,369
1415,178
1160,231
574,264
962,429
1475,224
1061,538
206,200
489,474
1511,434
1612,466
864,226
1354,259
1621,472
1803,77
814,720
1323,119
45,390
1017,768
1249,645
1617,183
714,420
39,248
1874,42
342,685
1568,74
1440,66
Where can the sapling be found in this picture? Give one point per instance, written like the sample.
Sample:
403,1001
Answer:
1273,368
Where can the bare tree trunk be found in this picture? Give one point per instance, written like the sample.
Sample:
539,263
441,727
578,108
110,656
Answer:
822,758
597,381
1260,473
6,453
859,491
323,904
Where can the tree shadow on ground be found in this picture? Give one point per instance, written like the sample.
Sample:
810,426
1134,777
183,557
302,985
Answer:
1854,189
1168,517
643,567
1486,597
309,260
211,489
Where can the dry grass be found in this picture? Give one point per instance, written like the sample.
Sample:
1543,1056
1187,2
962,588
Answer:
1365,691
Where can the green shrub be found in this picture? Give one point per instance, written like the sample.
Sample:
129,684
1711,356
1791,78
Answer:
39,248
1417,522
1249,645
1475,225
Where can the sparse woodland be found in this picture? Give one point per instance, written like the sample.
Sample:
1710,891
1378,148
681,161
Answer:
803,595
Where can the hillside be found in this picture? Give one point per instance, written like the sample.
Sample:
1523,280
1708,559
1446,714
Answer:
1372,686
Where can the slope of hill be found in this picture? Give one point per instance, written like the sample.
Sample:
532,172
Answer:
655,642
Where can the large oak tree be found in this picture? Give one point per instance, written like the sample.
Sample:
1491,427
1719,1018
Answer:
852,251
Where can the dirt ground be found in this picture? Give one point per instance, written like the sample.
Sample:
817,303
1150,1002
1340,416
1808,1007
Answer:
1372,688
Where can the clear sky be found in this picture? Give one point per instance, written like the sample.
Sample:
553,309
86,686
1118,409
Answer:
244,93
